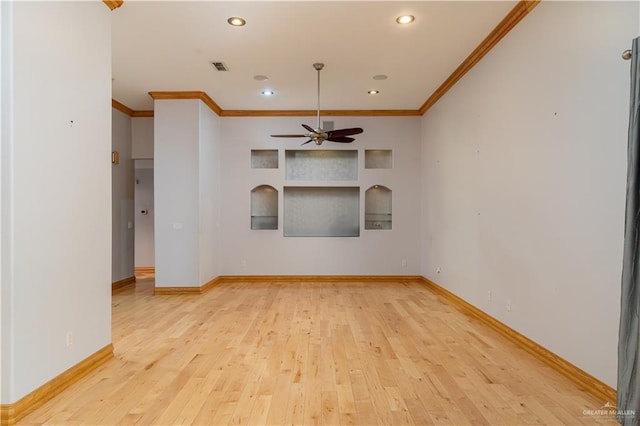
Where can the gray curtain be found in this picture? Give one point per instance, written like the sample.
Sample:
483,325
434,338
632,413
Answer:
628,356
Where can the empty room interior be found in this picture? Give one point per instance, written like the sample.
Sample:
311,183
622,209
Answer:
312,212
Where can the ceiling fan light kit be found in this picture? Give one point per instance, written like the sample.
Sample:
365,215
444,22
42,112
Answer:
318,135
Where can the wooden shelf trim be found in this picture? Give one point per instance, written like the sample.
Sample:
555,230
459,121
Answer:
11,413
520,10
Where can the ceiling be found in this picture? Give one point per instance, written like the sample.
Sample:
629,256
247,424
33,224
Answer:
168,46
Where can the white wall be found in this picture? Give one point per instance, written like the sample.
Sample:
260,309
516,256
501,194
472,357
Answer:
142,137
56,189
176,184
122,231
524,180
143,194
6,87
374,252
209,194
185,193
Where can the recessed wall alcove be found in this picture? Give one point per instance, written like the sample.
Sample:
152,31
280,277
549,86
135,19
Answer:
377,207
378,159
264,158
321,165
327,211
264,207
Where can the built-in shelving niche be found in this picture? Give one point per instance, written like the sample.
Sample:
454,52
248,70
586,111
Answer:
264,207
378,159
331,211
377,208
264,158
321,165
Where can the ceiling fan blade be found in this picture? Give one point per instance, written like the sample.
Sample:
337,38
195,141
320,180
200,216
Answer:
342,139
309,128
289,136
310,140
345,132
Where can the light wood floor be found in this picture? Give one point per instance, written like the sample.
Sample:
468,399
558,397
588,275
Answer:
312,353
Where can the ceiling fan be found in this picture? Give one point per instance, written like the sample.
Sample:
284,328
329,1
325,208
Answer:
318,135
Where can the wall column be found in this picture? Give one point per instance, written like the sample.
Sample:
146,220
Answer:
184,158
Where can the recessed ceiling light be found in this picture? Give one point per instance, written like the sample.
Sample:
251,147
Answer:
268,92
260,77
236,21
405,19
373,92
380,77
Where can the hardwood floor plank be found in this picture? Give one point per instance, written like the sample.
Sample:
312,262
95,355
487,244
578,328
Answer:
313,388
364,403
260,410
280,398
295,405
329,353
346,403
418,412
330,408
245,403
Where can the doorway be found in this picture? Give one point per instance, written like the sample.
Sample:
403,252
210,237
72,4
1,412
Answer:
144,250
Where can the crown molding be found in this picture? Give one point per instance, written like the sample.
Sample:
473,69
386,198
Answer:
188,95
325,113
113,4
128,111
122,108
275,113
262,113
519,11
138,114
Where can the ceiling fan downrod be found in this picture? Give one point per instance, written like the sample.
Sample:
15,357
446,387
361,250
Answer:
318,66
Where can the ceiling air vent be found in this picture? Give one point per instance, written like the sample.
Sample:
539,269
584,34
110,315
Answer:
327,125
220,66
